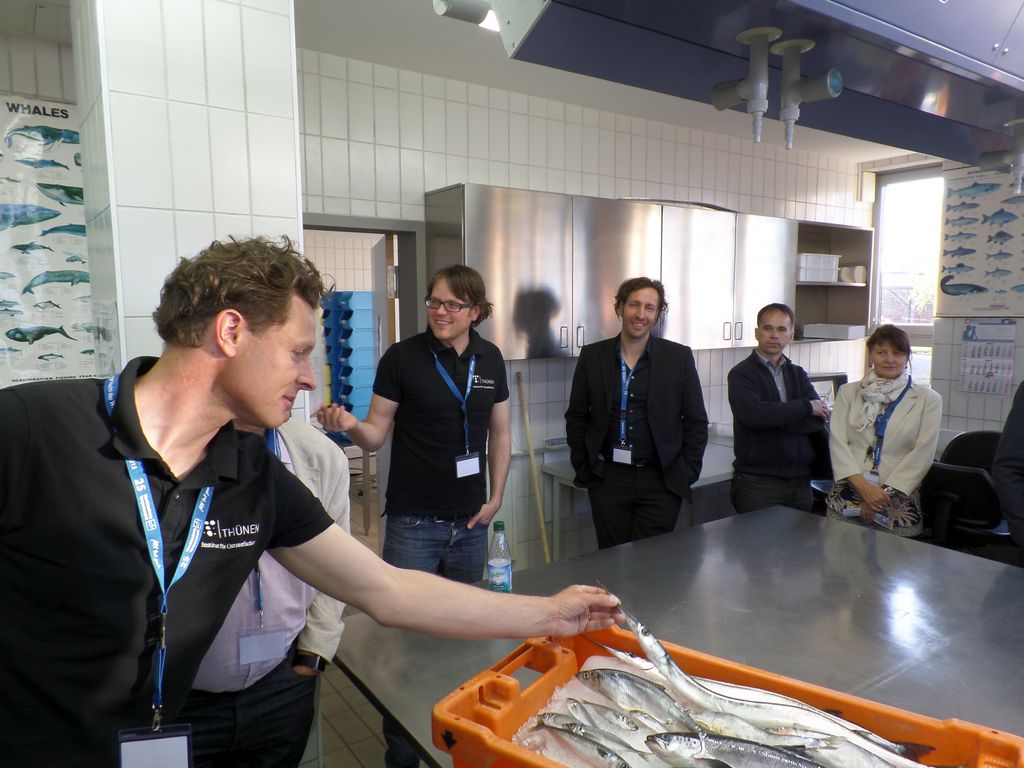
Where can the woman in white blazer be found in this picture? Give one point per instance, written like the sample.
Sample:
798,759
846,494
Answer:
884,429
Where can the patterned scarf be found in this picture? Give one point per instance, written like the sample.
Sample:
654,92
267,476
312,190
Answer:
877,393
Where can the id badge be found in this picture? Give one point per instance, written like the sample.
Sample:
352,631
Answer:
170,747
872,477
468,465
262,646
622,454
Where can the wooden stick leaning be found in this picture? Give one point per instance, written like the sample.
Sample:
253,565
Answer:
534,473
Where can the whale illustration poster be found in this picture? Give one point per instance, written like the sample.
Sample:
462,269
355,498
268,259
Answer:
46,318
982,264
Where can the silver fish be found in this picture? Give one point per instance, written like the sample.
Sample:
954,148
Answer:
605,739
590,712
9,312
998,255
736,753
960,251
75,259
960,207
596,754
765,714
997,273
960,267
735,727
630,691
999,237
961,221
7,304
962,236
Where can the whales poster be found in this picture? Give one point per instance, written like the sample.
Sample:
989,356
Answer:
981,272
46,325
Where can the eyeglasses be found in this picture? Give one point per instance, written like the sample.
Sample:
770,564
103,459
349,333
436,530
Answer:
450,306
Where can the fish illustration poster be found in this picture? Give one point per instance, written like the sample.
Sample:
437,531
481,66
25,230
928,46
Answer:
46,325
982,264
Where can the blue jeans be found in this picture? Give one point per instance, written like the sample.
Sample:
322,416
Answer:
444,547
266,724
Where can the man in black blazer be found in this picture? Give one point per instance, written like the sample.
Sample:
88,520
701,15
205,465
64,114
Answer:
636,424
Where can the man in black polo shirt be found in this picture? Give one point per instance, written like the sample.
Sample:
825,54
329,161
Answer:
636,424
446,394
117,494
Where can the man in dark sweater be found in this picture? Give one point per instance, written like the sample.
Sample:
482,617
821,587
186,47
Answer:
775,411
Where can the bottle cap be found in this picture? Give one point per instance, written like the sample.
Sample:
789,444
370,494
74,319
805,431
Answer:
499,525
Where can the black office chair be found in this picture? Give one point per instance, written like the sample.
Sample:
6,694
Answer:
972,449
959,496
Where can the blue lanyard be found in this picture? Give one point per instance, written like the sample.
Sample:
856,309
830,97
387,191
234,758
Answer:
880,425
155,546
274,444
463,399
627,379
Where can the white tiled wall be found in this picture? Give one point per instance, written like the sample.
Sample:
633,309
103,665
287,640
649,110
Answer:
342,257
375,138
961,410
41,69
194,102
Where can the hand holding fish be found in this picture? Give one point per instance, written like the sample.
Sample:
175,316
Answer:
581,608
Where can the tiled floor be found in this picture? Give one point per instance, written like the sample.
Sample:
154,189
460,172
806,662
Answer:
350,727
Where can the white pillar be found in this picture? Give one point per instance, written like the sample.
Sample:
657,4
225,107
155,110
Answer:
190,134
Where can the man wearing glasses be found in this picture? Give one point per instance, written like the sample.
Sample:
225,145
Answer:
446,393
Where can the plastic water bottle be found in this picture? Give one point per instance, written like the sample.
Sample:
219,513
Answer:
499,561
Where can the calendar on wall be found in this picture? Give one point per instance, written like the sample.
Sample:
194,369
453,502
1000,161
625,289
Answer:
986,355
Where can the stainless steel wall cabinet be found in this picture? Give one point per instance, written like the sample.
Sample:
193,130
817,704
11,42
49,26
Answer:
719,269
612,240
521,244
552,264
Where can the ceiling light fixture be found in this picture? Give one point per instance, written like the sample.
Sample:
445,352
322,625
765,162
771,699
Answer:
473,11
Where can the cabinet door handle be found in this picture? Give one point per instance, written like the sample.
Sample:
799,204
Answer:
563,337
726,331
581,335
739,330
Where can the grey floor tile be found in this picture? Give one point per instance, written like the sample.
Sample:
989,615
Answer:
348,725
369,752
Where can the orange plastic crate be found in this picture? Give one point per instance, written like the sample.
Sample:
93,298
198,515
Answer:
475,723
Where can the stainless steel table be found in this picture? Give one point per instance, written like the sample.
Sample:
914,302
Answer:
900,622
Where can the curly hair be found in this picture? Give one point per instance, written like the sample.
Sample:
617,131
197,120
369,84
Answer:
634,284
255,276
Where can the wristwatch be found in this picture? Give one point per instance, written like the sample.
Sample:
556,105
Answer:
889,490
311,660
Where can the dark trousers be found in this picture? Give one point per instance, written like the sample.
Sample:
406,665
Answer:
632,503
752,492
266,724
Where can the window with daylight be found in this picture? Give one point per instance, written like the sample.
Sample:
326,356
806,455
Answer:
908,226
